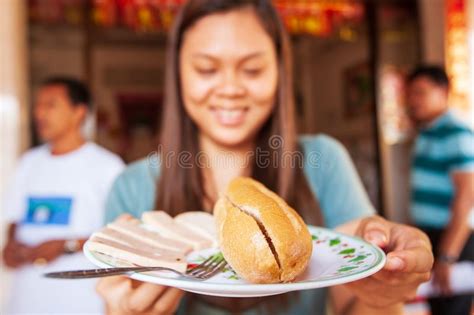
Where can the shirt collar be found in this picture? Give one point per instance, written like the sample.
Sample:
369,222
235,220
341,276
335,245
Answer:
438,121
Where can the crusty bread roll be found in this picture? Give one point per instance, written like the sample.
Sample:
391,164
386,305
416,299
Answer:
262,238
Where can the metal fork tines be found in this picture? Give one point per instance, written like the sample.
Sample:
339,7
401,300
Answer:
208,268
205,270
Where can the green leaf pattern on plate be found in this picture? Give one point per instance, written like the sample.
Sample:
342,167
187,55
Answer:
228,272
355,258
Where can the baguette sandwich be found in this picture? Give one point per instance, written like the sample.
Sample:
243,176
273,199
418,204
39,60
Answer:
262,238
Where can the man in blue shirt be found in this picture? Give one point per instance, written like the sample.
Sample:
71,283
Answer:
442,181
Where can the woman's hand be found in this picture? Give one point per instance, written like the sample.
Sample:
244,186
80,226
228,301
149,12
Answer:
409,262
123,296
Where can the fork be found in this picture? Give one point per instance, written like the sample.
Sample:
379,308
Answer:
205,270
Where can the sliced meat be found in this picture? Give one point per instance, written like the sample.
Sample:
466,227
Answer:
150,237
199,222
167,227
124,239
136,256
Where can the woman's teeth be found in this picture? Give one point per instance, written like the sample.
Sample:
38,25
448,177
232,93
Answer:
230,117
230,114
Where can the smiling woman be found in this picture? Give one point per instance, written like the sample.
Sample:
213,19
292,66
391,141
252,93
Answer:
228,89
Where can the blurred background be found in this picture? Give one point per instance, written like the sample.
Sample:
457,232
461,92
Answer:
351,59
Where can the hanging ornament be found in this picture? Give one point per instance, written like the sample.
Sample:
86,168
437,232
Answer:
104,13
457,56
317,18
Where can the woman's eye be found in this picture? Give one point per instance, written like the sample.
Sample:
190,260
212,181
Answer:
252,72
206,71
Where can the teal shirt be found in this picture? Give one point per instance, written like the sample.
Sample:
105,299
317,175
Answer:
446,146
332,178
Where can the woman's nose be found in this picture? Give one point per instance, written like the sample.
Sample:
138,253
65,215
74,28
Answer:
230,86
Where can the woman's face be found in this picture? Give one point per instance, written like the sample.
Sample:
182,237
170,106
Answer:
228,69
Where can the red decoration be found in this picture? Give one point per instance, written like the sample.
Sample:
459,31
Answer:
104,12
318,17
56,11
457,54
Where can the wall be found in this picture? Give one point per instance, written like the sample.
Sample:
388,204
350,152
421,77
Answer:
57,51
399,50
125,64
423,46
320,67
432,26
470,10
13,105
324,62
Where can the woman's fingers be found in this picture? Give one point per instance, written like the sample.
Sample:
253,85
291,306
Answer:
143,297
410,251
125,297
394,263
416,260
168,302
375,230
113,290
396,278
379,293
105,285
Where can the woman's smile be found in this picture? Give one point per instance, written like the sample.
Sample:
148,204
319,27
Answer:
229,89
230,117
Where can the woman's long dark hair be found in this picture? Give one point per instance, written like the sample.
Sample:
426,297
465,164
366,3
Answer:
181,189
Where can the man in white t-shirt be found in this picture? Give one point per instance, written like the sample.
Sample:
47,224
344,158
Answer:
55,201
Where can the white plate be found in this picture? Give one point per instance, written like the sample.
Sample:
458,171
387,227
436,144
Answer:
337,258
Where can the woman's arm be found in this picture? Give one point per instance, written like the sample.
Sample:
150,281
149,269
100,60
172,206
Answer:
132,192
334,181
